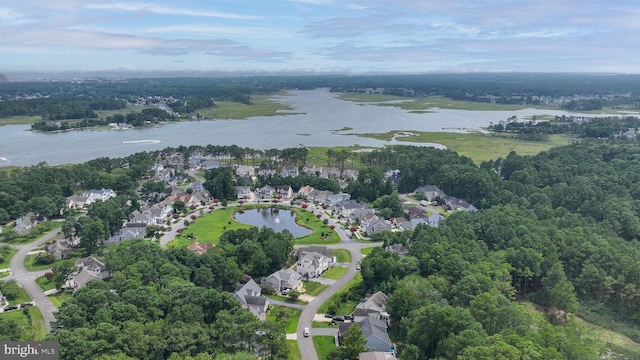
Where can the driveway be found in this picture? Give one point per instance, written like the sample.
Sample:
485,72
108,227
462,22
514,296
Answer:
27,279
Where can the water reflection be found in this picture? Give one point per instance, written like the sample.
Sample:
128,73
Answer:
273,218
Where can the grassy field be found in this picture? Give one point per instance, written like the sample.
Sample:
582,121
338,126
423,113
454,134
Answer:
342,255
31,331
7,253
423,104
293,350
285,315
20,120
34,234
22,296
30,263
366,251
324,345
45,284
58,298
262,105
334,273
309,220
599,339
209,227
129,109
478,147
313,288
344,307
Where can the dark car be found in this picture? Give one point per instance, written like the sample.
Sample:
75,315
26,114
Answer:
28,303
10,307
328,316
338,318
348,317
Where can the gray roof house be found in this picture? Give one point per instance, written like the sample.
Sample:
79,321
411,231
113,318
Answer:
250,297
375,332
335,199
283,279
373,306
89,268
434,220
430,192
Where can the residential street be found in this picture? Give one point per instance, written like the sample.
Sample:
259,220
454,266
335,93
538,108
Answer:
27,279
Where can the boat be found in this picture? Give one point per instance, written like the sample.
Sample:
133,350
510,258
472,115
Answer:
141,142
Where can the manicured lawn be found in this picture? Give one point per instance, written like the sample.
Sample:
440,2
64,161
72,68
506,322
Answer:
34,234
261,105
209,227
313,288
287,299
324,345
342,255
285,315
367,250
4,274
45,284
22,296
325,324
478,147
344,307
293,350
59,298
36,330
309,220
334,273
7,253
30,263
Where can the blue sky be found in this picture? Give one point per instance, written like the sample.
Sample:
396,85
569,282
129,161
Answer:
321,36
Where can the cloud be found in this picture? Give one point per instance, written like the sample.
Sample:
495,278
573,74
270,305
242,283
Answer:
167,10
9,17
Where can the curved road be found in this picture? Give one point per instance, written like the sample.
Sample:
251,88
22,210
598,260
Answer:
27,279
307,348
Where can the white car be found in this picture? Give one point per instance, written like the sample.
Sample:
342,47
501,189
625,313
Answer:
306,332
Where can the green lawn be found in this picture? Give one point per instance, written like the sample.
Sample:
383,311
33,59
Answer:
22,296
334,273
4,274
261,105
324,345
309,220
285,298
479,147
34,331
342,255
34,234
20,120
45,284
7,253
209,227
285,315
313,288
30,263
294,350
344,307
367,250
59,298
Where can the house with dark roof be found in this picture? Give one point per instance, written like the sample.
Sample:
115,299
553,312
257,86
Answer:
429,192
89,268
375,333
251,299
373,306
434,220
399,249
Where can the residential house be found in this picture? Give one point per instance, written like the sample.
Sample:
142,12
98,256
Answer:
266,172
266,191
350,174
315,248
195,186
429,192
251,299
346,208
357,215
176,160
377,224
373,306
187,199
98,195
290,170
311,170
245,171
283,279
335,199
202,196
285,191
312,264
243,192
200,248
61,249
453,203
328,172
76,201
25,223
305,191
406,226
414,212
375,333
434,220
399,249
129,232
89,268
318,195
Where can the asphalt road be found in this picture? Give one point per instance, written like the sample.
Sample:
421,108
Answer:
27,279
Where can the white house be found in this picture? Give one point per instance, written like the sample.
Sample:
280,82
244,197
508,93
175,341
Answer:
312,264
98,195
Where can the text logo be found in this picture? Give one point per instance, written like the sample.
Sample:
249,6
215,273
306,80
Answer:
37,350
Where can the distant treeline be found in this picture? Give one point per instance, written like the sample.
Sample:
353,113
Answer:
605,127
147,116
59,108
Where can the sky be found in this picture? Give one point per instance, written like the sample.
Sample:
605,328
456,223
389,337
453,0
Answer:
321,36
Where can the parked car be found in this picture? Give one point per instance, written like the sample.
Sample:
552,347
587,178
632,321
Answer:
348,317
338,318
328,316
28,303
306,332
358,266
10,307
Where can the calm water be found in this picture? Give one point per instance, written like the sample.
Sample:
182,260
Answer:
277,220
321,114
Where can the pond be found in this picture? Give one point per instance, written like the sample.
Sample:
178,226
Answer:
276,219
